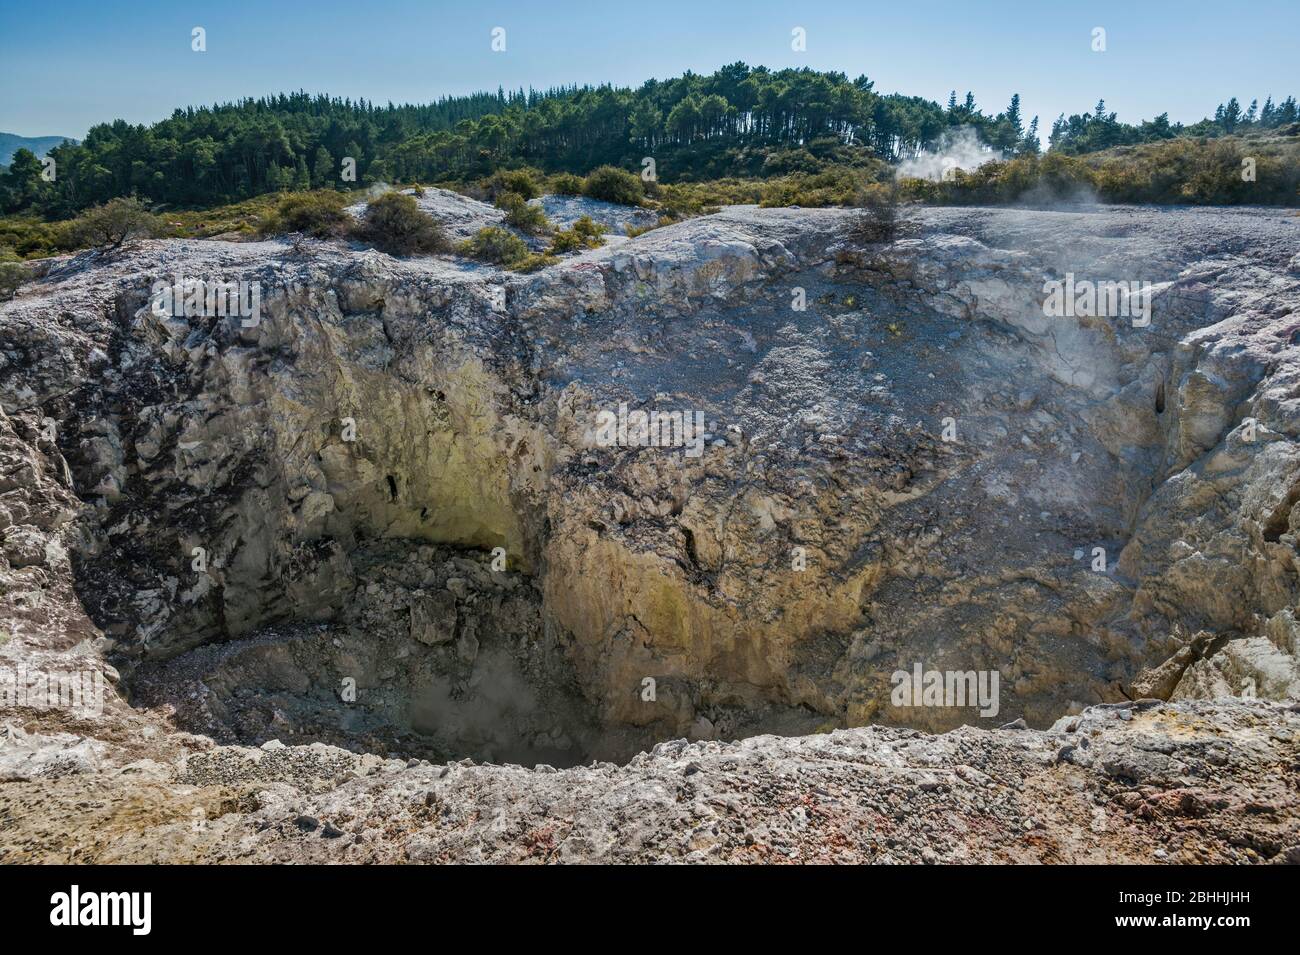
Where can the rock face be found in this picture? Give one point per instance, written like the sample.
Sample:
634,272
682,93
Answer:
411,506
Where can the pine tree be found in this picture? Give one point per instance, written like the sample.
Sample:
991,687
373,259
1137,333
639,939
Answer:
1029,144
1058,131
1231,115
275,178
322,168
1013,115
22,184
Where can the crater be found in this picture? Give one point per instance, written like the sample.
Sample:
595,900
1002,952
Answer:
918,466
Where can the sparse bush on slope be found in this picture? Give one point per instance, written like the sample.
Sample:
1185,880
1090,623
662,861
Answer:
879,219
496,245
318,214
531,219
614,185
114,223
566,184
584,234
12,275
521,182
394,223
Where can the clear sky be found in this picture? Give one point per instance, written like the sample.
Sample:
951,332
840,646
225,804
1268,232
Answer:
69,64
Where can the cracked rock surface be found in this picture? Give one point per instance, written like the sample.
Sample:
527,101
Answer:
376,522
1150,782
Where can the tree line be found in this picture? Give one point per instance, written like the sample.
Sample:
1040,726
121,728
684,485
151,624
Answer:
738,121
1092,132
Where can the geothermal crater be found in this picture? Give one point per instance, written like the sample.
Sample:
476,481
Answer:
290,529
383,515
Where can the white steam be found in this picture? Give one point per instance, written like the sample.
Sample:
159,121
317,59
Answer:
957,149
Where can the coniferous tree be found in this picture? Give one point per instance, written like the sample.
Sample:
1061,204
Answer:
322,168
1013,115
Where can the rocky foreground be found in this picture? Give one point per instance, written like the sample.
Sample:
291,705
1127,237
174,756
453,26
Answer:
315,557
1143,783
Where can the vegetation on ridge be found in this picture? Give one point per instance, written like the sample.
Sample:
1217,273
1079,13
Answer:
738,121
740,135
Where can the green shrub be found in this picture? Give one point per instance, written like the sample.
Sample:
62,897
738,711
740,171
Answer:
12,275
30,238
521,215
614,185
521,182
919,190
1063,176
564,241
633,231
394,223
584,234
496,245
786,161
682,200
114,223
836,186
319,214
533,261
589,229
566,184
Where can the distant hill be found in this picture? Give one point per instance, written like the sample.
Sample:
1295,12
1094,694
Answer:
11,143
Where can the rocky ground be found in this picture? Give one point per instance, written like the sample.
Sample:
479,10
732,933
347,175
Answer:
1142,783
379,515
459,215
564,211
462,217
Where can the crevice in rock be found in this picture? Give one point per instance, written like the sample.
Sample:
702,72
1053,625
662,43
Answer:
1279,521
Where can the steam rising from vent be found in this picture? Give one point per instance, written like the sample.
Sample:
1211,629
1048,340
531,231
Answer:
957,149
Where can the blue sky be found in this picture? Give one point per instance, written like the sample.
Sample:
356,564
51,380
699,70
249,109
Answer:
65,66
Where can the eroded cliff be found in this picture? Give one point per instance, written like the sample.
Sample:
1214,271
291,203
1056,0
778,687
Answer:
383,512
